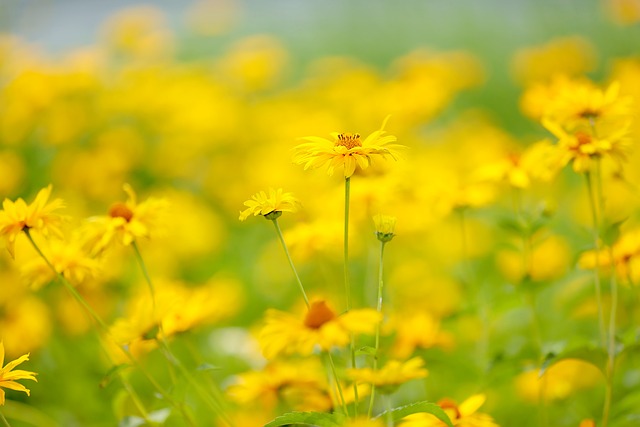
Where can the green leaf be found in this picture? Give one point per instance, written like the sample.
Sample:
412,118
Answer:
317,419
416,408
366,351
207,367
611,232
595,356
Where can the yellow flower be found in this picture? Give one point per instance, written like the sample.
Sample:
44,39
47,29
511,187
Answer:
587,423
18,216
625,251
391,375
346,150
8,376
463,415
558,382
364,422
127,221
68,258
321,327
270,206
301,384
417,330
385,227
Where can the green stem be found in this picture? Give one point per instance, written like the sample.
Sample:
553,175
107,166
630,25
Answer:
377,341
5,423
389,414
596,271
105,329
286,251
135,398
611,344
347,285
338,385
166,350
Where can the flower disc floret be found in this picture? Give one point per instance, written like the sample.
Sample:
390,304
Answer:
346,150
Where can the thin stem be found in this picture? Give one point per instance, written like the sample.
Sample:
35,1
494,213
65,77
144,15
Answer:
135,398
612,343
596,242
5,423
377,342
105,329
347,285
145,273
389,414
338,385
286,251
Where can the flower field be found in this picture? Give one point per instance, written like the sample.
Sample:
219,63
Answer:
215,225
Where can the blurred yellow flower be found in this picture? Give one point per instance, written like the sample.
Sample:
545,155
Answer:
559,381
346,150
625,255
364,422
464,415
300,383
587,423
417,330
69,259
321,327
391,375
9,376
270,206
624,12
18,216
126,221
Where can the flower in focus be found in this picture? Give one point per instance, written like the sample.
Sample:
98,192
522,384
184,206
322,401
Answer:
126,221
284,333
8,376
18,216
463,415
270,206
385,227
346,150
391,375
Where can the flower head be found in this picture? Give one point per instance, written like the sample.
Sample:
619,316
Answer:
127,221
17,216
391,375
8,375
463,415
346,150
270,206
385,227
284,333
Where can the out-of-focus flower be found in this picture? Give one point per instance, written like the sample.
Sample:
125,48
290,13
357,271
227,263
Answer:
270,206
364,422
624,12
391,375
464,415
587,423
559,381
385,227
69,258
301,384
18,216
321,327
26,322
547,258
9,376
624,254
126,221
569,56
346,150
417,330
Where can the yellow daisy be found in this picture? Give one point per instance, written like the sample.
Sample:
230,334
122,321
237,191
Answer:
385,227
18,216
270,206
346,150
464,415
8,376
391,375
321,327
127,221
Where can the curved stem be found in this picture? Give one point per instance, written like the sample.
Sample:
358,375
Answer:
596,243
377,342
286,251
338,385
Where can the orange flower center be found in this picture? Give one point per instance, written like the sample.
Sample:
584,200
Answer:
450,404
349,140
319,314
120,210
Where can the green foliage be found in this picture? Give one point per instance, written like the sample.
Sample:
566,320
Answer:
416,408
